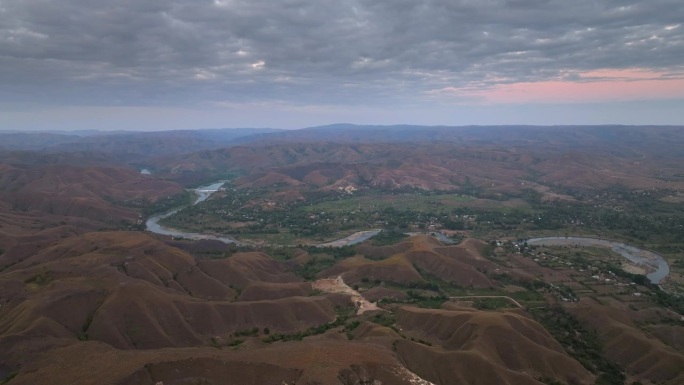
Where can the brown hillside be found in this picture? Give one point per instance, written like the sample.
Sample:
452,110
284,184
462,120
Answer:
325,362
640,354
27,185
484,347
241,269
392,269
132,291
258,291
42,204
442,165
461,264
672,335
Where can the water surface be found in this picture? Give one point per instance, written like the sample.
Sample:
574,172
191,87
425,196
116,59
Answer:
641,257
203,192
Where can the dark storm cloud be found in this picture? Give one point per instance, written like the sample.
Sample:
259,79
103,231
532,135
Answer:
323,51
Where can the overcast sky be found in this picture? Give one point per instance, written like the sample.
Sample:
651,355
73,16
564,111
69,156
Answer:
171,64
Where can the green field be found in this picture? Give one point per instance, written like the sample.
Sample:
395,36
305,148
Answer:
416,202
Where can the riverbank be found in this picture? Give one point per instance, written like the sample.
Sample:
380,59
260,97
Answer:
353,239
203,193
646,258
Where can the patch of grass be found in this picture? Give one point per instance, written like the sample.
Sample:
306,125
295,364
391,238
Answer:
215,343
418,201
491,303
322,258
9,377
343,314
41,279
429,302
421,341
527,296
314,266
384,319
247,332
582,344
349,328
169,203
388,237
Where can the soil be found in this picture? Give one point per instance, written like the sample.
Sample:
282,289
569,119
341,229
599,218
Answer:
337,286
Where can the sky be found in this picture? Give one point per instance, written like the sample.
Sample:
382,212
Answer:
183,64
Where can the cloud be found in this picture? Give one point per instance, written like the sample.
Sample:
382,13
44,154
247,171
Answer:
592,86
354,52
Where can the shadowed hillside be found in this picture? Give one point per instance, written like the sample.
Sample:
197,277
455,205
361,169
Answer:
455,264
476,347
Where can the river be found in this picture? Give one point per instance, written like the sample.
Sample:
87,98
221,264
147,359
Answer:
353,239
203,192
651,260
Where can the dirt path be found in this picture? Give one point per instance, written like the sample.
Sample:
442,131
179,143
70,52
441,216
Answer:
489,296
337,285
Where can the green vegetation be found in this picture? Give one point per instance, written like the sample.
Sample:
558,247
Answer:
323,215
637,217
341,319
349,328
388,237
281,253
247,332
41,279
561,291
321,259
384,319
426,301
83,335
421,341
419,200
9,378
343,315
582,344
672,301
169,203
492,303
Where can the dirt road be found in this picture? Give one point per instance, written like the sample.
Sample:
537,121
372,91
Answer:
337,285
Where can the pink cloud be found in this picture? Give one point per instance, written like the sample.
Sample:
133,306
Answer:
598,85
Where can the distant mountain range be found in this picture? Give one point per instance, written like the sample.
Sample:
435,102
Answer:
157,143
126,145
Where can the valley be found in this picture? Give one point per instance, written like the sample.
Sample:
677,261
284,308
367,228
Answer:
407,255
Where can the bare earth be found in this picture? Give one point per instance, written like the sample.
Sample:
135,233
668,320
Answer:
634,269
337,285
350,240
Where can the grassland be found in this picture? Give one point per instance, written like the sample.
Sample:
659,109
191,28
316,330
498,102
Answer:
417,202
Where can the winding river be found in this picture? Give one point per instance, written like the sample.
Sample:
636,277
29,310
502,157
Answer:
649,259
203,192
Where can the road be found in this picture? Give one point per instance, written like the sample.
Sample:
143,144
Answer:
489,296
